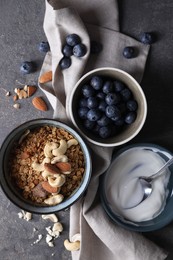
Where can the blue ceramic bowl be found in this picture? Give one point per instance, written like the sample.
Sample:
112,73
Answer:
164,218
9,188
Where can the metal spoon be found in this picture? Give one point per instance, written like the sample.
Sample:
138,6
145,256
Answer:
147,181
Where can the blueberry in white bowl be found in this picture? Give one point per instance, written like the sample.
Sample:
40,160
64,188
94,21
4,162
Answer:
113,100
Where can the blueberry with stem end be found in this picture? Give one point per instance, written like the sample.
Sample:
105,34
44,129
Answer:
44,47
147,38
27,67
129,52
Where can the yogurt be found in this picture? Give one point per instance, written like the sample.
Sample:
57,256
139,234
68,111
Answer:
124,189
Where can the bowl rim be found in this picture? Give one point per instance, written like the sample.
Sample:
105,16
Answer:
128,225
140,90
22,203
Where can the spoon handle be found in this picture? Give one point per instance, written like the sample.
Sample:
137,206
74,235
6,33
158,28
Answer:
160,172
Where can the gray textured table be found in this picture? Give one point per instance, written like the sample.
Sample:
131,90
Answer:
20,32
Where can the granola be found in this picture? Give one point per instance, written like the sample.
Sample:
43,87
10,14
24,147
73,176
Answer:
34,169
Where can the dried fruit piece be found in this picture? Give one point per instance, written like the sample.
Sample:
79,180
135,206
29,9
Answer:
39,192
51,168
15,97
45,77
31,90
64,166
39,104
46,186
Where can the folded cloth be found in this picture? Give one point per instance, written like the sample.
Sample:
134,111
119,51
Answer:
93,21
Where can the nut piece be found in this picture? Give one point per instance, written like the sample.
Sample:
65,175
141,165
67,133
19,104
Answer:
48,149
65,167
56,199
52,217
72,142
39,104
61,149
45,77
51,168
31,90
39,192
72,246
17,106
46,186
58,182
57,227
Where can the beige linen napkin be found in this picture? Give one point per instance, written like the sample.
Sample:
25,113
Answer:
97,20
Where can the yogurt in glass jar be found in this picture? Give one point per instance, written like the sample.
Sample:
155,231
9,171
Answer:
124,191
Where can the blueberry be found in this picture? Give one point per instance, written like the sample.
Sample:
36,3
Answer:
92,102
96,82
147,38
73,39
130,118
79,50
113,112
94,114
132,105
83,102
126,94
101,95
95,47
102,106
65,63
118,85
105,132
129,52
112,98
119,122
104,121
89,124
107,87
88,91
67,50
44,47
82,112
27,67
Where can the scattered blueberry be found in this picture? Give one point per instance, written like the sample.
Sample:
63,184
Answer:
132,105
65,63
88,91
129,52
73,39
96,82
67,50
44,47
105,132
130,118
107,87
94,114
147,38
79,50
27,67
95,47
112,98
82,112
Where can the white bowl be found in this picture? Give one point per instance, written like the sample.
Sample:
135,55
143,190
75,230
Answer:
131,130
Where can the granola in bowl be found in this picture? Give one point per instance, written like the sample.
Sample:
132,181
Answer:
45,166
